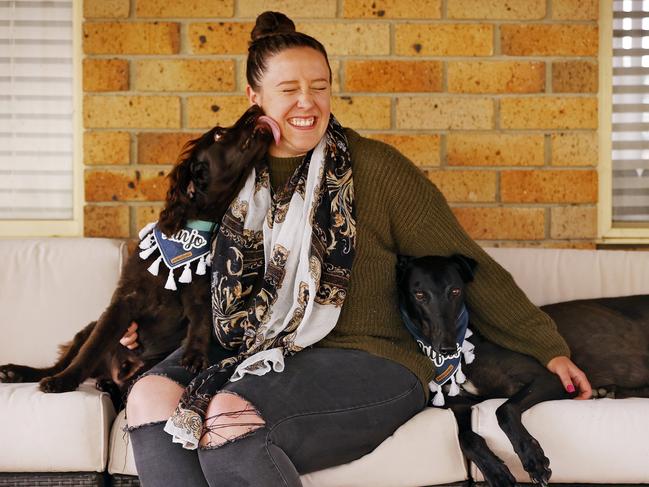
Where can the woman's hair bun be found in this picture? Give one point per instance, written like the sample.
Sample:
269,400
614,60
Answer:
270,23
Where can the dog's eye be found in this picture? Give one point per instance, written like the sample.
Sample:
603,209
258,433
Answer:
455,292
419,295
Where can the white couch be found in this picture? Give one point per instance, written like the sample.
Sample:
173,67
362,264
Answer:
50,288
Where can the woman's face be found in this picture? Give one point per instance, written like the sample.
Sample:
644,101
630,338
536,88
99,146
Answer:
296,93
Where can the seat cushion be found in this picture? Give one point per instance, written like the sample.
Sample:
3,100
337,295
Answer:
424,451
51,288
54,432
598,441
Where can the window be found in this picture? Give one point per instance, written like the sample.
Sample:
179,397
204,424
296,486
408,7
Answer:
40,177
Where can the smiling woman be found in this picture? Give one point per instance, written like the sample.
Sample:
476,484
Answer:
311,363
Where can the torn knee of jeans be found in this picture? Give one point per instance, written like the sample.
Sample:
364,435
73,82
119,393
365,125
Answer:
230,423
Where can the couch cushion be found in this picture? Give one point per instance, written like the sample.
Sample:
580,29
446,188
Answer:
50,288
53,432
554,275
424,451
598,441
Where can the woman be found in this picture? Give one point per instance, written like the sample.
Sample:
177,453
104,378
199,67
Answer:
338,400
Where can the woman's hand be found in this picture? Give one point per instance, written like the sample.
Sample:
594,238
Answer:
129,340
570,376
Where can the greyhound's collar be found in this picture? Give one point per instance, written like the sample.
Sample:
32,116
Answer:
181,249
448,368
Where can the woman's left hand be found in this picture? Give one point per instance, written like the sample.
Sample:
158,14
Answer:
570,376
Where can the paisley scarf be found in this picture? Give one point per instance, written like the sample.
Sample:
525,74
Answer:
281,265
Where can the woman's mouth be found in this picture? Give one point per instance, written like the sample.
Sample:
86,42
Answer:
301,122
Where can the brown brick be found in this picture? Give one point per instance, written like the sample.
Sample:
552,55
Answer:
393,76
465,186
208,111
575,149
295,9
131,38
444,39
184,75
575,9
362,112
126,185
496,77
105,9
573,222
106,148
443,113
549,40
496,9
422,149
502,223
220,37
574,77
184,8
549,112
106,221
162,148
131,112
146,214
105,75
494,149
548,186
358,39
392,9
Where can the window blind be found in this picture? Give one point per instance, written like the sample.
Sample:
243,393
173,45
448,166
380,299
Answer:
630,124
36,108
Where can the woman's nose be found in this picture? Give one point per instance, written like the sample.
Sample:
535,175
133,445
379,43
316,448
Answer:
305,99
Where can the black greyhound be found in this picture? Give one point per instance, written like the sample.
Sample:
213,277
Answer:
212,169
431,294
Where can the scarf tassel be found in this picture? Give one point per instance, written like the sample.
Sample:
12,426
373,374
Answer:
201,267
155,267
186,276
467,351
460,378
455,389
171,284
147,252
147,242
438,399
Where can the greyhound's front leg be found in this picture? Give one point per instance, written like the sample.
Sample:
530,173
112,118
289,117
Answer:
475,448
528,449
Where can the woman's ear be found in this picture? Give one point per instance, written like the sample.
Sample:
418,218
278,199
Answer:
253,97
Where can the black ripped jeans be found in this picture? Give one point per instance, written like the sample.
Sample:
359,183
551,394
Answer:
328,407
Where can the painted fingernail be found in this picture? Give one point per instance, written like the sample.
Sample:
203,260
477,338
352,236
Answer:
570,388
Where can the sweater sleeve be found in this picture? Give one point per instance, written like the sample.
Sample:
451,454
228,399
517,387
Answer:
422,223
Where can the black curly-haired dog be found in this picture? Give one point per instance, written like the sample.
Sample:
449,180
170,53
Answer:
210,173
431,293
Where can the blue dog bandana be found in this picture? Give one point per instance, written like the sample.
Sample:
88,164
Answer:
181,249
448,368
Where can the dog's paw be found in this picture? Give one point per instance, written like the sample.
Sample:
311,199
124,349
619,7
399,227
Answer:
10,373
58,383
194,361
535,463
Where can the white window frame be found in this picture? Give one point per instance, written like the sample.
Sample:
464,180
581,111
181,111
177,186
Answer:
72,227
608,233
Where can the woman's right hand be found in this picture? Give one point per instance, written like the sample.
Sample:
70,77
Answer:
129,340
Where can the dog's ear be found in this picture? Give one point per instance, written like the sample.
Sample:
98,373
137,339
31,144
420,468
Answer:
465,266
179,197
403,262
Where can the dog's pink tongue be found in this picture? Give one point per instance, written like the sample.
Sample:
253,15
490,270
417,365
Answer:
274,128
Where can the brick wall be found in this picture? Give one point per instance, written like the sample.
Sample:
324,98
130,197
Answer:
495,100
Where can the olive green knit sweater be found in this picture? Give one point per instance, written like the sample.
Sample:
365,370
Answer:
399,211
